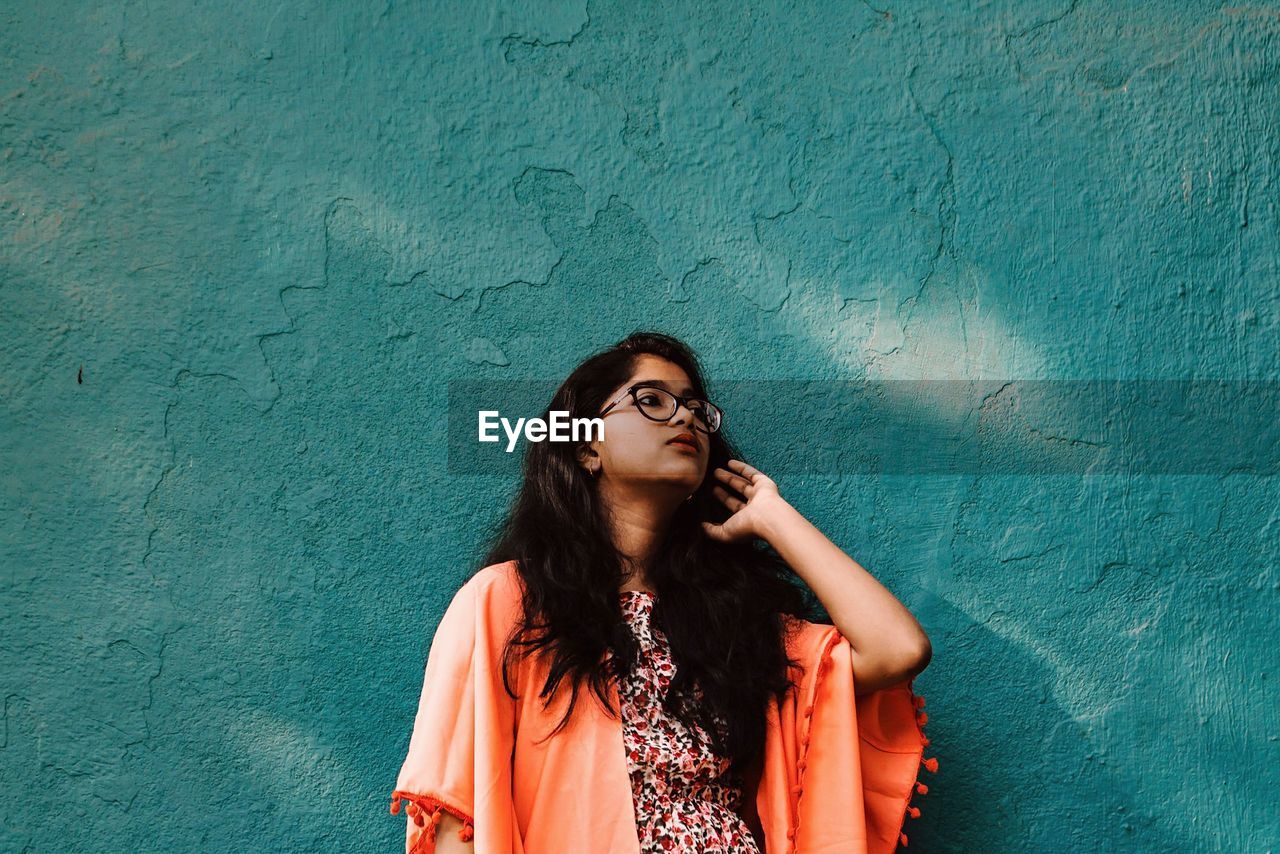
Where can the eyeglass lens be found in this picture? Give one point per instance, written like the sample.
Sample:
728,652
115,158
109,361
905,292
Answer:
661,405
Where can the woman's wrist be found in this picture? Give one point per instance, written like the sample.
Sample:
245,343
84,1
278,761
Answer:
779,516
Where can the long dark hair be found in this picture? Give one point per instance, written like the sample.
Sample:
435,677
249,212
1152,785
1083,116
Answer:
719,605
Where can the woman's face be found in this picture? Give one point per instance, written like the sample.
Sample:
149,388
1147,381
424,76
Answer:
637,452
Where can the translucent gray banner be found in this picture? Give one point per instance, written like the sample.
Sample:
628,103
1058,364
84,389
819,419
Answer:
942,426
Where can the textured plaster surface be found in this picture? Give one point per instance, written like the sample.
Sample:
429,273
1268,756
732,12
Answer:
244,246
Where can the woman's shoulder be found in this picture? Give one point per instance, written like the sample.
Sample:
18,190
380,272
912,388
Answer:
497,585
504,574
487,606
496,592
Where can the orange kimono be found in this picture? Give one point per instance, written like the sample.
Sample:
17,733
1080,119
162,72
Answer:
837,777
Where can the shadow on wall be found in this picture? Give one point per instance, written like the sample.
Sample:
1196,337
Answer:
1019,772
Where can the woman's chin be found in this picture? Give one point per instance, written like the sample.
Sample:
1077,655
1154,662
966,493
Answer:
682,479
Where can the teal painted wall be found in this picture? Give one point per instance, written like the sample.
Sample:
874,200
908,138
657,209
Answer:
243,248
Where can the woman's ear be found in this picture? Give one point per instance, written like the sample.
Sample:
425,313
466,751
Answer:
589,460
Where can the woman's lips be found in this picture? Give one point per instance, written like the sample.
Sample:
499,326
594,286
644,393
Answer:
681,443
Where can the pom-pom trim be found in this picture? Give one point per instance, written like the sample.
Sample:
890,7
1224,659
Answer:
426,811
806,712
931,764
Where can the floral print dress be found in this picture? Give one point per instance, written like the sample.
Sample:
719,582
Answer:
685,799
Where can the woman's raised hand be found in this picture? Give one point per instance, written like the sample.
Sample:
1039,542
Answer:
754,502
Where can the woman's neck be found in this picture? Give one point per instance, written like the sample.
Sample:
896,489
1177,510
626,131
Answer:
636,578
637,529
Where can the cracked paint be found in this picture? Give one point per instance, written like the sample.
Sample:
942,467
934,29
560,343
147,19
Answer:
243,252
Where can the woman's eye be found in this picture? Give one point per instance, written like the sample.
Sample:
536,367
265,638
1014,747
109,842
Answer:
648,398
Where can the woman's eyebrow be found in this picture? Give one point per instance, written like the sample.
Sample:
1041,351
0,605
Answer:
663,384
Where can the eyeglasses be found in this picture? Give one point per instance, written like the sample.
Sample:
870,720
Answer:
658,404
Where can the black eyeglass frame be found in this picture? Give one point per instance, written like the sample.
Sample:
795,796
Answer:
680,401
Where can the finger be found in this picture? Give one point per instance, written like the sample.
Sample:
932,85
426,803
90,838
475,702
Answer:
733,502
755,478
715,532
725,497
736,481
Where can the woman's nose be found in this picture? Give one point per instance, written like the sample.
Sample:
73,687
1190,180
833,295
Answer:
685,419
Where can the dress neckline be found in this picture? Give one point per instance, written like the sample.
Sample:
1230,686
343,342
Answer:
636,592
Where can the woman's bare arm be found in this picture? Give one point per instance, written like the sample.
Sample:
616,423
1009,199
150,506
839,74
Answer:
447,841
887,642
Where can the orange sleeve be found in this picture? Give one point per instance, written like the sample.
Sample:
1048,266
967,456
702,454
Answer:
459,755
892,745
864,749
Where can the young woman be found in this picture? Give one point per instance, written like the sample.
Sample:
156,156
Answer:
654,567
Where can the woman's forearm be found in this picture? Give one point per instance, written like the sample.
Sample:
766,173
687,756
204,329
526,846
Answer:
447,841
888,643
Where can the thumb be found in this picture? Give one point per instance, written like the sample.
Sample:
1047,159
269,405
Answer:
711,529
